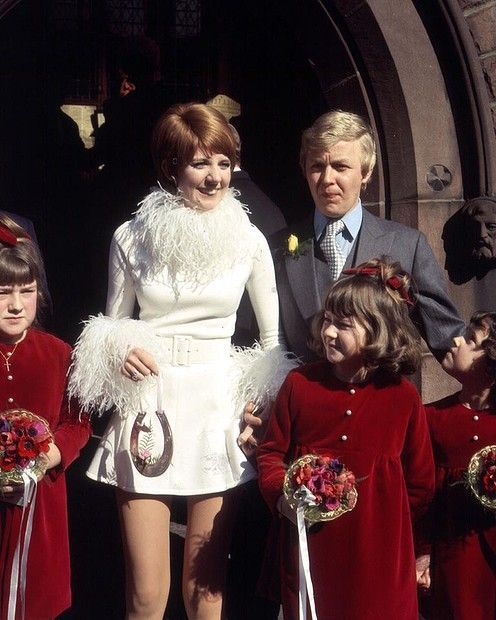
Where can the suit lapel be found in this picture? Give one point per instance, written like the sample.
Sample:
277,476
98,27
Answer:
301,272
373,241
303,282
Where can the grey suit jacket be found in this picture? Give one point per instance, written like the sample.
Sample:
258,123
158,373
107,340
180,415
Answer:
302,282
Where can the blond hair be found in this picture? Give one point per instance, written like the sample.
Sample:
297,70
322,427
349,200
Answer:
337,125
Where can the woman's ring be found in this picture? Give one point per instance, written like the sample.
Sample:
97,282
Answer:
135,375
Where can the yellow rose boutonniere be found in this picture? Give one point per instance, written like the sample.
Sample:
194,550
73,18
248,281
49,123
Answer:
292,244
294,248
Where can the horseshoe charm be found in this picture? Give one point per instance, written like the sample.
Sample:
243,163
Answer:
146,468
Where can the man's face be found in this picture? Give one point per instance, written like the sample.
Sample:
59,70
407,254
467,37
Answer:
483,217
335,177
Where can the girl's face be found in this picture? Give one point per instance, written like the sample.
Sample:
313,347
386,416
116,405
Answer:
467,355
205,180
343,340
17,310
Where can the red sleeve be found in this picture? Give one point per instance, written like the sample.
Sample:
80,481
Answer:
273,450
418,462
418,468
425,526
71,432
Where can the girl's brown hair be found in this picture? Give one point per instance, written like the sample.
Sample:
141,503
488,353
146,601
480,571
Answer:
21,262
376,294
182,130
485,320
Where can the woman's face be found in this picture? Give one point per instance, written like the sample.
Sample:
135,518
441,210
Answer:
17,310
205,180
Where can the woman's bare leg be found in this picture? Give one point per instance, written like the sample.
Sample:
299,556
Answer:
145,521
208,534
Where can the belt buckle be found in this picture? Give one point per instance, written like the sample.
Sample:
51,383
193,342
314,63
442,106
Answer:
181,348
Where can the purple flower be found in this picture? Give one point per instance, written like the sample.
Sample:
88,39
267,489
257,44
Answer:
4,425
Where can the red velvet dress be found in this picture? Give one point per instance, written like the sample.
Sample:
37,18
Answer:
362,564
463,563
38,371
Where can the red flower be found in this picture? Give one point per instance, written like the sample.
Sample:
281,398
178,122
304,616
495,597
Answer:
303,474
7,438
27,448
489,483
44,446
7,463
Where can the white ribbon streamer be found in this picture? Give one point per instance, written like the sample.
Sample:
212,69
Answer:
20,561
147,419
306,586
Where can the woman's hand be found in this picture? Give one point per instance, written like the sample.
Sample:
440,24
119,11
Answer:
246,439
422,568
255,425
139,364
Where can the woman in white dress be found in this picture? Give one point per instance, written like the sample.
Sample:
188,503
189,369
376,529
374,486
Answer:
185,259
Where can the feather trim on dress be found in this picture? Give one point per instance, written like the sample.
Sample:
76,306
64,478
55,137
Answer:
259,374
189,245
95,377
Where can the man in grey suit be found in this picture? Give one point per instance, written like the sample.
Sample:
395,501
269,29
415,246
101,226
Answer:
337,156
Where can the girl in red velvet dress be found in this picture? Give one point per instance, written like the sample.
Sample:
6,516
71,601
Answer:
356,406
33,368
463,563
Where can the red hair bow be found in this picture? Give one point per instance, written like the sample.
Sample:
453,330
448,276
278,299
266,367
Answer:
7,236
393,282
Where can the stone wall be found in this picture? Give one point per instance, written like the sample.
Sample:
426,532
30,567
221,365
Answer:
481,20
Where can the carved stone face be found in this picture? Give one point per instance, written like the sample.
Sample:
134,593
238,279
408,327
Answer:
482,218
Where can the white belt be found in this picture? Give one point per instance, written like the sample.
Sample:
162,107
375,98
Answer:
186,350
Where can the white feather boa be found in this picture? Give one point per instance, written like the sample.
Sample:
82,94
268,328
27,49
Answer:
189,245
95,377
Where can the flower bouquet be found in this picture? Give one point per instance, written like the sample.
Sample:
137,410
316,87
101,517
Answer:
323,485
24,437
481,476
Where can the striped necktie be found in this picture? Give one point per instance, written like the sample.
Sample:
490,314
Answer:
330,249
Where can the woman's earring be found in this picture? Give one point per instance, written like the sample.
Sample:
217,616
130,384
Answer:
173,179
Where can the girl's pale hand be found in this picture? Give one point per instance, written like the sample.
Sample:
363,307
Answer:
246,439
139,364
285,509
422,568
13,492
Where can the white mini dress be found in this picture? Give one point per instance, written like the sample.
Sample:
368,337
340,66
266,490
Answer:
191,329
